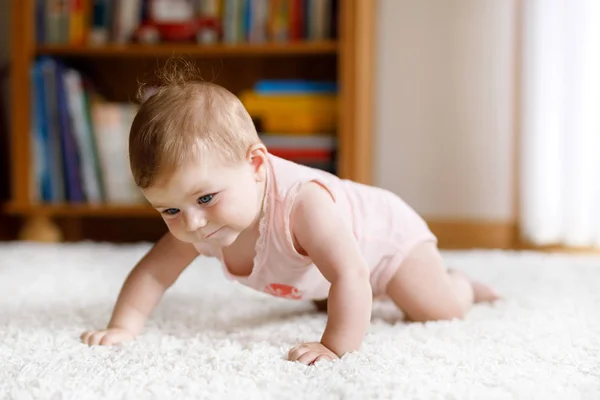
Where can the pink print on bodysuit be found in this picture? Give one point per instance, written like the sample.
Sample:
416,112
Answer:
285,291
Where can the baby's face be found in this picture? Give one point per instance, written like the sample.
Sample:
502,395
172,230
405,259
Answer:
209,201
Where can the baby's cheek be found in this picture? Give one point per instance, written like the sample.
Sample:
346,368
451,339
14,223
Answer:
227,214
219,213
172,224
180,234
245,214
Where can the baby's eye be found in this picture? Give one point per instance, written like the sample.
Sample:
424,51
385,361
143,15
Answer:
171,211
205,199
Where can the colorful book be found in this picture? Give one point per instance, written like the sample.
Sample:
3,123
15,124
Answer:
83,135
71,162
48,72
42,188
278,87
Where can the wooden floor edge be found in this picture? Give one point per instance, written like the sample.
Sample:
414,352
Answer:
504,235
557,248
472,234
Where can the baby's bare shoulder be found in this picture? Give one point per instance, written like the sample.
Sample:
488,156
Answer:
314,203
314,193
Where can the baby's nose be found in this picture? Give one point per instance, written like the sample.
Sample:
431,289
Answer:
195,221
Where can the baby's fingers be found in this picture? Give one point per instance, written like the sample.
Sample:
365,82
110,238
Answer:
95,338
309,357
85,336
322,357
114,338
296,352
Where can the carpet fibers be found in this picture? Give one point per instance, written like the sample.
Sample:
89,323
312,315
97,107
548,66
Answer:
210,338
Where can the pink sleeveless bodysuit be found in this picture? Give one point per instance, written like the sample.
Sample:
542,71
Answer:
384,226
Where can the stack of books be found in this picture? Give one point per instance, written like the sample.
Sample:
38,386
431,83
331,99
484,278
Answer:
296,120
80,141
99,22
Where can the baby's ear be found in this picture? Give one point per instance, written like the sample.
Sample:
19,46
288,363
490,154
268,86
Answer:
257,157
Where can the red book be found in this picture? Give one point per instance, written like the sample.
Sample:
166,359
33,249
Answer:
304,154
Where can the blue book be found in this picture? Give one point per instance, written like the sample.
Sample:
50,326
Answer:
48,72
273,87
40,136
71,161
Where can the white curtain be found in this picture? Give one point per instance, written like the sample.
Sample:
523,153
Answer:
560,132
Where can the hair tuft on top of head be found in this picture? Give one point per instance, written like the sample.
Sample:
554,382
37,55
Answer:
177,71
182,118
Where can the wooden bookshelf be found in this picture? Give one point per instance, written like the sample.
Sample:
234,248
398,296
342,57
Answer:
220,50
348,60
83,210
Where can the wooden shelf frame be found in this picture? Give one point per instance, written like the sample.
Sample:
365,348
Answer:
355,65
305,48
83,210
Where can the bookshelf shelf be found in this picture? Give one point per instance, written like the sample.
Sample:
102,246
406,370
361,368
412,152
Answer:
82,210
113,69
219,50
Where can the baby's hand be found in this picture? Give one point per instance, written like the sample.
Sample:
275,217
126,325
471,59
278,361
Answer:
107,337
309,353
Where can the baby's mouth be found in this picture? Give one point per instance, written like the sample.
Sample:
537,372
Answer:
212,233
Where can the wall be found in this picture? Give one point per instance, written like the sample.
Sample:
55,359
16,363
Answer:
444,106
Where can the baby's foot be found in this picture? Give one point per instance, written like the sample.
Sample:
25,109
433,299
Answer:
481,291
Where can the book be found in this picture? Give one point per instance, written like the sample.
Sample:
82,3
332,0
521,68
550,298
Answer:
98,22
83,135
79,141
267,87
71,162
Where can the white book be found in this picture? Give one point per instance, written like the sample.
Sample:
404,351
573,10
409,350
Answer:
112,122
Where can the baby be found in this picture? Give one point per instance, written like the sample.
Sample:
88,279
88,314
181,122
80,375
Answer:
276,226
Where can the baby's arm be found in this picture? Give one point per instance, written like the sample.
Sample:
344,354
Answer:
322,234
142,290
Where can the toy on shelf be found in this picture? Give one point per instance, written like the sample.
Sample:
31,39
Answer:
177,21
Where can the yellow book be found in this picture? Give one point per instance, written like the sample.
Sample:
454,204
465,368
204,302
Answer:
298,123
259,104
77,22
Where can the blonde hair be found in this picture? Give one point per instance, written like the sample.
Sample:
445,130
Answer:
182,117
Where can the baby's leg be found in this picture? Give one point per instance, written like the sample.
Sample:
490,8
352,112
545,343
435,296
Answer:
425,290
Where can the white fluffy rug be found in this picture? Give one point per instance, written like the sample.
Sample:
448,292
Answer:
213,339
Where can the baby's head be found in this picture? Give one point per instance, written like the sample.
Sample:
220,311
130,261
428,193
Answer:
195,154
183,118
